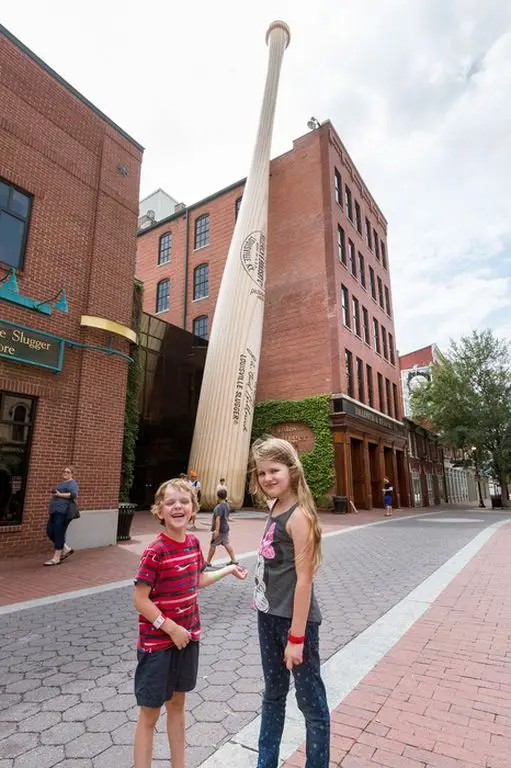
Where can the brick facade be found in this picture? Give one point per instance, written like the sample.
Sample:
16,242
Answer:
55,146
304,337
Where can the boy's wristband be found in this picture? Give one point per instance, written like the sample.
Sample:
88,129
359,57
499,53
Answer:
294,640
217,576
159,621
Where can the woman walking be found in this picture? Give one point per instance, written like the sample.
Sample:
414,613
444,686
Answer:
387,496
65,493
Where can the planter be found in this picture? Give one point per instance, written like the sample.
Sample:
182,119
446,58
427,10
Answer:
126,512
496,501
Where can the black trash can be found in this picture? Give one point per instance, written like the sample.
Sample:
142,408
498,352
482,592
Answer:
496,501
126,512
340,505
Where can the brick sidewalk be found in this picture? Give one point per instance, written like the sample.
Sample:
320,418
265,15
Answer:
441,698
25,578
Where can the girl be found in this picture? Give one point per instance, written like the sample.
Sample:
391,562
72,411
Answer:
288,613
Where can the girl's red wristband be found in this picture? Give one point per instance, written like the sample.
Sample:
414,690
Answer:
296,640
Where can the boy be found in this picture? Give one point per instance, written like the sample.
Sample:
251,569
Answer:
165,595
220,528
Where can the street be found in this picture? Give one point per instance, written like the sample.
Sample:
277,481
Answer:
66,668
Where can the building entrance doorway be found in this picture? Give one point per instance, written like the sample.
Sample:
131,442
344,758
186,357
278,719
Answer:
358,474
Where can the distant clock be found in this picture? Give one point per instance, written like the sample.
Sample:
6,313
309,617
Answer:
417,382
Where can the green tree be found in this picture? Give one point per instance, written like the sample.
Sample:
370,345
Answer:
468,400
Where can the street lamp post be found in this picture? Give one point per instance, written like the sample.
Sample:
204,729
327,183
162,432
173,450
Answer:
482,505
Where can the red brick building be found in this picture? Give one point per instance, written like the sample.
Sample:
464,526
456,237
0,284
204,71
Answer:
68,216
328,324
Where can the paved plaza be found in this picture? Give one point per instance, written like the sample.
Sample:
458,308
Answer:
66,668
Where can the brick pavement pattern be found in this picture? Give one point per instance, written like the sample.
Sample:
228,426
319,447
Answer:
66,689
441,698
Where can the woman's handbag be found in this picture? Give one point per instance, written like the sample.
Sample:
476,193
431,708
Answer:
73,513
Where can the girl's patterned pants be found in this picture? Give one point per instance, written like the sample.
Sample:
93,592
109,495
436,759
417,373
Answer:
310,693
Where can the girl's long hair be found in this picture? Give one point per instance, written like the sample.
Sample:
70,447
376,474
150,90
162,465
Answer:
271,448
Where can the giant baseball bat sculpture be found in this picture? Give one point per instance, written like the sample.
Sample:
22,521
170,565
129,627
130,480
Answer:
223,426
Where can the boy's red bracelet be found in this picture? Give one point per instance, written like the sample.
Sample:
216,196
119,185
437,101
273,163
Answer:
296,640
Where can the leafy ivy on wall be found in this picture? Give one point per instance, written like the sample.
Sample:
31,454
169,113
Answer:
131,411
314,412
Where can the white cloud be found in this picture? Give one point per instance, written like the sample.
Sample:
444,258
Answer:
419,92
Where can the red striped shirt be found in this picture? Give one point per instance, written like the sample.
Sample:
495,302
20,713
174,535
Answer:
172,569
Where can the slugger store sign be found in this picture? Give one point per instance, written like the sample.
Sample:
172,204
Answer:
26,345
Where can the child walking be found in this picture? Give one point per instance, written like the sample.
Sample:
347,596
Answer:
220,528
165,595
288,613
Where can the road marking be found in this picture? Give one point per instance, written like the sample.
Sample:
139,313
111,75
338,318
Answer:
456,520
86,591
343,671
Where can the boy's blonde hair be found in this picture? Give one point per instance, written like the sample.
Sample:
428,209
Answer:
271,448
180,485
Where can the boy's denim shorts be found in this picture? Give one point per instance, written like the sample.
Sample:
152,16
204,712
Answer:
160,673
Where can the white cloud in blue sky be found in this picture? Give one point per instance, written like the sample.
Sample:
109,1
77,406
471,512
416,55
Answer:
419,92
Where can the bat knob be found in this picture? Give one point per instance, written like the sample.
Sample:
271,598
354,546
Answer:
279,25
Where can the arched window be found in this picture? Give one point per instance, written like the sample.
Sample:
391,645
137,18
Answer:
165,248
200,326
201,231
237,206
163,295
200,281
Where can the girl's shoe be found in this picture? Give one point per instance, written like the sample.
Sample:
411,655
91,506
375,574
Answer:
233,562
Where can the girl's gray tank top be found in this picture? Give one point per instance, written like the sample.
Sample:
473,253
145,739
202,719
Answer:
275,580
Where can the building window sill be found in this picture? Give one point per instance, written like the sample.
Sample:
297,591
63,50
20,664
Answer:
201,247
163,263
201,298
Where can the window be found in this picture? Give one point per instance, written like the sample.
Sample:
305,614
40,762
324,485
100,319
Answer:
358,217
162,295
16,419
365,323
396,402
380,292
14,218
348,202
370,392
387,302
345,299
381,396
376,248
338,187
362,270
389,400
348,360
391,349
165,248
352,258
356,315
201,231
200,326
383,255
237,206
376,332
368,235
200,281
341,245
372,283
384,343
360,380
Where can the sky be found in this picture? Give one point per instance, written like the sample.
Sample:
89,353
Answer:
419,92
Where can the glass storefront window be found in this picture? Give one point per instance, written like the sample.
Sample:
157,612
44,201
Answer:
16,420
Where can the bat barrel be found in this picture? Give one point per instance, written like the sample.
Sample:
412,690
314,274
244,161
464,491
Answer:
223,424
